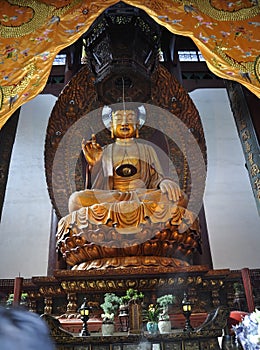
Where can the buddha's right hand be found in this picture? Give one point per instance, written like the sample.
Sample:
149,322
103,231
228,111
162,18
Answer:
91,150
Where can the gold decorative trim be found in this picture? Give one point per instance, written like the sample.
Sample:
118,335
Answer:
1,97
257,188
12,90
120,284
41,13
50,290
221,15
257,68
245,67
62,275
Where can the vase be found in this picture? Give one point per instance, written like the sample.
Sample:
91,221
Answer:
108,329
152,327
164,326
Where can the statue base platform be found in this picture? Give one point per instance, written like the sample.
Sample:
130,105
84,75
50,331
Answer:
133,262
102,247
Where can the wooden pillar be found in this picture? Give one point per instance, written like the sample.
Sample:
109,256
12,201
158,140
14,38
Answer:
248,289
73,60
171,57
247,135
205,258
68,69
55,260
18,285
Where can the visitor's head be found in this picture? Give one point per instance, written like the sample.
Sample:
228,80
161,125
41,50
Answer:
23,330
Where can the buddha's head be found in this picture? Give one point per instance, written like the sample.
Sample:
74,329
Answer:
124,124
124,121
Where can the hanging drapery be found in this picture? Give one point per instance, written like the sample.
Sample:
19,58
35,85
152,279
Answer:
33,32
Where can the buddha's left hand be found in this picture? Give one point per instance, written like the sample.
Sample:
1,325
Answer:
172,189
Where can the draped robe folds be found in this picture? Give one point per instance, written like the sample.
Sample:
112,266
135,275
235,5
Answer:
108,203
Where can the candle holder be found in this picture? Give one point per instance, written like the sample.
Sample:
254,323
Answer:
186,309
84,316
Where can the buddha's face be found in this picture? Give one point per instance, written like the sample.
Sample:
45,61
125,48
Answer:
124,123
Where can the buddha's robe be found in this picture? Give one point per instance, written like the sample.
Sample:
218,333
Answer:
125,202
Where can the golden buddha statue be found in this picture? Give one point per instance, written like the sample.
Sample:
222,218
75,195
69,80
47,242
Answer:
130,203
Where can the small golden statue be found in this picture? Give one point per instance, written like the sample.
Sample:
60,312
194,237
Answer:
132,215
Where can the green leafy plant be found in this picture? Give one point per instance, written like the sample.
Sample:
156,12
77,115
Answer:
132,294
23,299
164,302
110,307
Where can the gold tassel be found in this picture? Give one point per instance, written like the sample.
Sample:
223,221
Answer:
112,133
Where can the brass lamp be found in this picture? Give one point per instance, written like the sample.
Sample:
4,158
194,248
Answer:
186,309
84,316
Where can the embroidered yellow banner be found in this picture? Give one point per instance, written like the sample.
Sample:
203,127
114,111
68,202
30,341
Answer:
32,33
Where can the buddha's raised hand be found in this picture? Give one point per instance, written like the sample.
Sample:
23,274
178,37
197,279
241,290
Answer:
91,150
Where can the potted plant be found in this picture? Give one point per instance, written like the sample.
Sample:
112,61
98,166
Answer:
151,316
109,307
164,323
23,300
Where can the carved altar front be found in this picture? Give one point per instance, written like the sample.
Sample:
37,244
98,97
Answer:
59,297
204,337
62,294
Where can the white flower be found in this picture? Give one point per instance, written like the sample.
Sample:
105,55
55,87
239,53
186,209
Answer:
108,317
248,331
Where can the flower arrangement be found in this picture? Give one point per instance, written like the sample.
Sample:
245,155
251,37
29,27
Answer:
164,302
110,307
152,313
248,331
